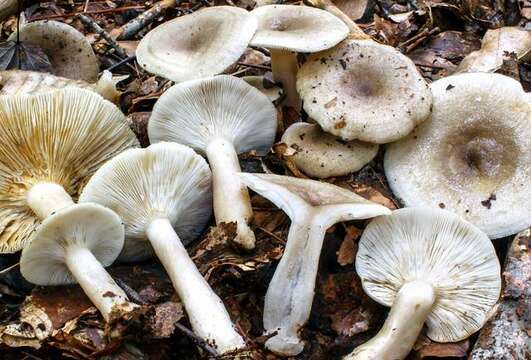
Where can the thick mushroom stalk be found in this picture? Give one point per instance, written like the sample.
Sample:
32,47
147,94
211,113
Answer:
96,282
312,207
285,66
46,198
206,312
412,305
231,198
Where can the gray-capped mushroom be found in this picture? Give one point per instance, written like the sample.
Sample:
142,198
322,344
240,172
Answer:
197,45
432,268
163,194
322,155
68,50
288,29
313,207
219,117
364,90
473,156
50,145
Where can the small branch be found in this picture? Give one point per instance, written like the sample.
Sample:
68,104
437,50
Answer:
130,292
197,340
122,62
130,29
9,268
91,24
103,11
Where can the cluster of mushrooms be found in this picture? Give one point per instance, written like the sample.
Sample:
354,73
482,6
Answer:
462,144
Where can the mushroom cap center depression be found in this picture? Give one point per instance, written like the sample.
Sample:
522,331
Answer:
479,156
363,82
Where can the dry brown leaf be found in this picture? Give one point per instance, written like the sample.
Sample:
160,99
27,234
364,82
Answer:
496,46
426,348
285,154
347,251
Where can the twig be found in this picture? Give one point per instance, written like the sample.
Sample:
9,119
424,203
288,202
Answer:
122,62
197,340
9,268
130,292
91,24
130,29
103,11
256,66
416,43
85,8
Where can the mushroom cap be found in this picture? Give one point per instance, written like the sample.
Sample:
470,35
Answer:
165,180
197,45
322,155
69,51
90,226
364,90
297,28
195,112
473,157
8,8
436,247
61,137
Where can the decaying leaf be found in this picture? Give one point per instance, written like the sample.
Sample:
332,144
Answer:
23,56
285,154
347,251
426,348
33,327
497,45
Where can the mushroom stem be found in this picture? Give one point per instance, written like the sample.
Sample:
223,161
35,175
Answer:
99,286
285,66
289,297
231,198
396,338
45,198
206,312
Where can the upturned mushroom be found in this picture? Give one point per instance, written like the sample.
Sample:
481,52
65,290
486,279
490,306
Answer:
313,207
197,45
68,50
74,244
364,90
288,29
163,195
219,117
432,268
15,82
322,155
472,156
50,145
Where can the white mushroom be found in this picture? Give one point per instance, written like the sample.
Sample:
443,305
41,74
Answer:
473,157
322,155
364,90
432,268
73,245
69,51
198,45
163,195
50,145
313,207
288,29
219,117
14,82
270,90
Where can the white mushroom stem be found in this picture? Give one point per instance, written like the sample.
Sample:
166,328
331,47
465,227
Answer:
396,338
285,66
289,298
206,312
45,198
99,286
231,198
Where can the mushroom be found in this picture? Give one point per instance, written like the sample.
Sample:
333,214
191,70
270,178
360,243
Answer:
432,268
13,82
265,86
73,245
50,145
197,45
364,90
322,155
472,156
313,207
8,8
219,117
69,51
287,29
355,7
163,195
